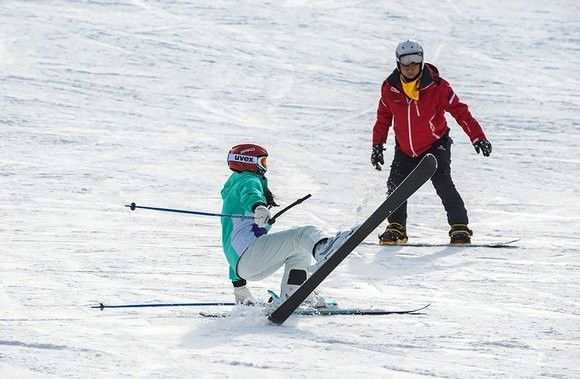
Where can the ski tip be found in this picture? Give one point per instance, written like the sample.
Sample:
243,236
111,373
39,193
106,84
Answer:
432,158
424,307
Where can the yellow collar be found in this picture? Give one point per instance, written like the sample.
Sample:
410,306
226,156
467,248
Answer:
411,88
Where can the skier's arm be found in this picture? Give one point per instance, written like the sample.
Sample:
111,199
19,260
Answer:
252,195
235,278
383,122
461,114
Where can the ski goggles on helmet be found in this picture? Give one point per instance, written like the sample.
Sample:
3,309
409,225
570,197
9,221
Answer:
263,163
260,162
407,60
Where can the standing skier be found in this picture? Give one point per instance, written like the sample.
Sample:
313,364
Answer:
414,99
251,252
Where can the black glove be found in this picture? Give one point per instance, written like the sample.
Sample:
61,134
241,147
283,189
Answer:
377,156
483,145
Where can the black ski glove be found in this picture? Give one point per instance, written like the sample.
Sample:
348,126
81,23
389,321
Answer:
483,145
377,156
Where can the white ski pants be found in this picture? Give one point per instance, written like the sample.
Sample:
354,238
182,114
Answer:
290,248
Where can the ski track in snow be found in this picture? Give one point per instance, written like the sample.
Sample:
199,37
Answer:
109,102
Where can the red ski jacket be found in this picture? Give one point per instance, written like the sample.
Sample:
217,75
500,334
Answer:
418,124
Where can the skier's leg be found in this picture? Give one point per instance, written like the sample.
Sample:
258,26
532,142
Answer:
291,248
401,167
444,186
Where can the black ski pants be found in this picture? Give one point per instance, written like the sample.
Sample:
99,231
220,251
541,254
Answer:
403,165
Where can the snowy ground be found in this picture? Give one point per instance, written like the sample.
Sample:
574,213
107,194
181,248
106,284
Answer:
108,102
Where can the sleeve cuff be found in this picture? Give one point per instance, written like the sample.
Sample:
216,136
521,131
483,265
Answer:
257,205
239,283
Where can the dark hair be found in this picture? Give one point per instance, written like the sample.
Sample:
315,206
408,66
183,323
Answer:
270,198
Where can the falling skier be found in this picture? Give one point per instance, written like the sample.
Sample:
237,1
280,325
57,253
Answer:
414,99
253,253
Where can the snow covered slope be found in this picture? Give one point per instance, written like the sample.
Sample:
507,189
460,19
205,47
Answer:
108,102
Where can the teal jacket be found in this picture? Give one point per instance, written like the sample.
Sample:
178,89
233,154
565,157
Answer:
241,194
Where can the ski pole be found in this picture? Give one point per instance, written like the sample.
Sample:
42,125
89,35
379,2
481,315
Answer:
299,201
134,206
102,306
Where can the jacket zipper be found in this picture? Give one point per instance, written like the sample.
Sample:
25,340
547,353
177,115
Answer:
409,102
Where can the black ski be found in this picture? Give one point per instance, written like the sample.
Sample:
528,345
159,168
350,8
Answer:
331,311
491,245
424,170
354,311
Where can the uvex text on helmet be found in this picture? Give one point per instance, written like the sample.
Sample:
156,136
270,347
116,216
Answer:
248,157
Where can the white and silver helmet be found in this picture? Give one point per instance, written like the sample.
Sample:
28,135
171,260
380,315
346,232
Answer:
408,52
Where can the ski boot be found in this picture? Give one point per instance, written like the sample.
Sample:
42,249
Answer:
460,234
326,247
395,234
